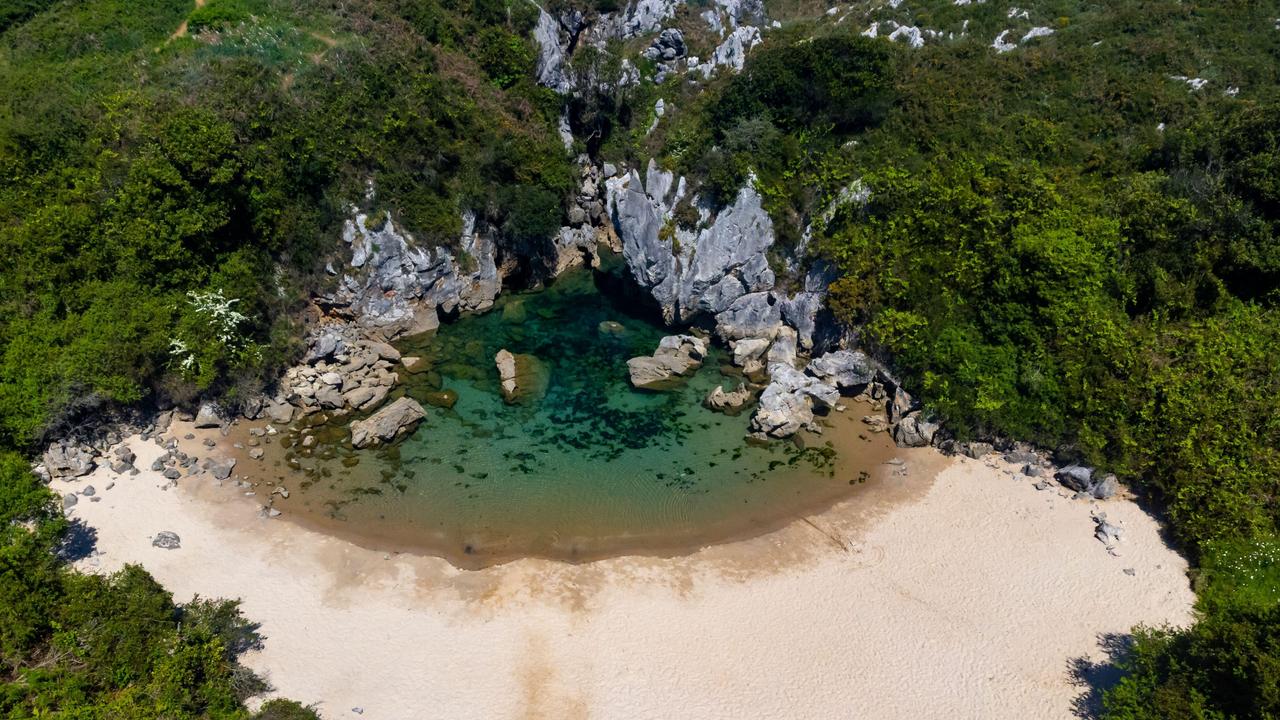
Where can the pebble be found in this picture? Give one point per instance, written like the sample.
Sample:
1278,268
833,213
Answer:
1130,571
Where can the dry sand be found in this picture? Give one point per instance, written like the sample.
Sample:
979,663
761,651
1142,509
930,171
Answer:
958,591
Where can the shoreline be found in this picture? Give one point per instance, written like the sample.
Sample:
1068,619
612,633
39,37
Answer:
959,591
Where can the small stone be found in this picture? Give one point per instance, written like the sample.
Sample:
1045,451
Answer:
109,486
1031,470
69,501
189,436
209,442
1042,485
256,453
172,473
166,540
1130,572
88,491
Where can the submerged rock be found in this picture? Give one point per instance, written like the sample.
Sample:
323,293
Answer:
387,423
676,357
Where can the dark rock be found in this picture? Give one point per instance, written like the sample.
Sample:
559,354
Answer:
89,491
172,473
221,469
69,501
1031,470
1076,477
166,540
1105,488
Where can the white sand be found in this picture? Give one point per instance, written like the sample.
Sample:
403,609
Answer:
963,594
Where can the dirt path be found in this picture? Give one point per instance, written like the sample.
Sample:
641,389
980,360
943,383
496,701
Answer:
182,28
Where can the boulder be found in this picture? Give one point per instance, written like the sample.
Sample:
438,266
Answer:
915,431
166,540
730,403
1106,488
365,397
65,459
323,346
1076,477
848,370
783,349
221,469
383,350
900,404
677,356
124,454
506,362
208,416
442,399
755,315
749,351
384,425
69,501
280,412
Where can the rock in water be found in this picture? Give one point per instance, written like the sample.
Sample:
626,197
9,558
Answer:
677,356
507,373
522,376
167,540
221,469
730,403
414,365
387,423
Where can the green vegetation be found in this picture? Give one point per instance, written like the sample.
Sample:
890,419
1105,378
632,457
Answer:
144,165
171,180
1065,243
115,646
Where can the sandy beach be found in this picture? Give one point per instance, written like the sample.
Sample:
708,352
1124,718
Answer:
958,590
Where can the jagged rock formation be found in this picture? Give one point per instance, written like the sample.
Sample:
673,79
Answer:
395,287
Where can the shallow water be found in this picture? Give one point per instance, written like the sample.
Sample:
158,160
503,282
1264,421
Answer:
584,468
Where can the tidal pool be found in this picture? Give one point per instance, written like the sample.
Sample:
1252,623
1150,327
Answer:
587,467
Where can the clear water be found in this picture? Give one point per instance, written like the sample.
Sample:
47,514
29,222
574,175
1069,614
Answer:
589,467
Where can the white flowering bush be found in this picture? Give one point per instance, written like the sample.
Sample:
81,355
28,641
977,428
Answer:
210,337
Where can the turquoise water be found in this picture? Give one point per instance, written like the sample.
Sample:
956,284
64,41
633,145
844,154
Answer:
587,467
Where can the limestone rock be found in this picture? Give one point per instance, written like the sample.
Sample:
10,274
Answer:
677,356
65,459
208,416
848,370
786,405
387,423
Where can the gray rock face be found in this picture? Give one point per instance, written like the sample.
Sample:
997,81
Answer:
396,287
166,540
324,345
551,69
846,369
915,431
387,423
757,315
65,459
208,416
786,405
280,412
715,266
677,356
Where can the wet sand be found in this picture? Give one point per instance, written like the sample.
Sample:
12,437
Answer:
957,590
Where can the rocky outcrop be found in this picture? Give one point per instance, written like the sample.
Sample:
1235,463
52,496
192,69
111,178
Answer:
67,459
1084,480
847,370
677,356
713,266
786,405
386,424
395,287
